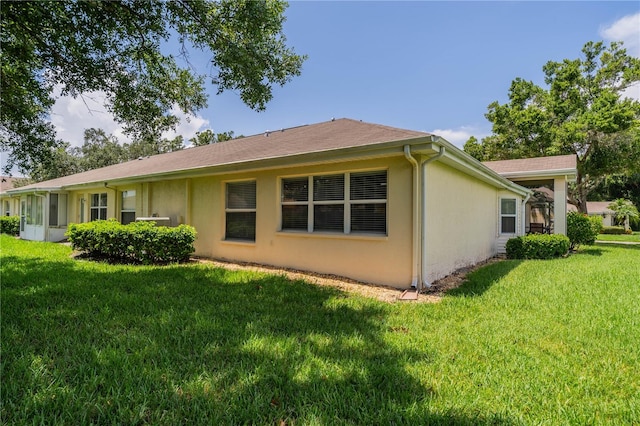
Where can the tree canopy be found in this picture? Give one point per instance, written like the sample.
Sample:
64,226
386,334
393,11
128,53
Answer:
582,111
115,47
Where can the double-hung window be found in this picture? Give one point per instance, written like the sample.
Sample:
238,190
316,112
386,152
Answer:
507,215
128,209
240,211
346,203
98,206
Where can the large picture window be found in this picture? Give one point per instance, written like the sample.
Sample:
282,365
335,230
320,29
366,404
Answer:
508,215
240,211
128,210
345,203
99,206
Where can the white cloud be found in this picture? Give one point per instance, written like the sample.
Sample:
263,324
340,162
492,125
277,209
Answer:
71,116
626,29
460,135
188,126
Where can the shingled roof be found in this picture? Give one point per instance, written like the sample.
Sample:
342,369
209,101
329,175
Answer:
322,137
560,164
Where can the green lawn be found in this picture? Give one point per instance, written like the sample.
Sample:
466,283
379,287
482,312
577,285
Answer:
635,237
522,342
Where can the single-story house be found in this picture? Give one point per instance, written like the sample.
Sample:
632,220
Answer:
10,204
370,202
547,177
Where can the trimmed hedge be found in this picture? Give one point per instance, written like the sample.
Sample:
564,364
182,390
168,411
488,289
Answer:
596,224
580,230
10,225
141,242
614,230
537,246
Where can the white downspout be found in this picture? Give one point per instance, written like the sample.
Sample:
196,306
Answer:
523,212
415,259
423,235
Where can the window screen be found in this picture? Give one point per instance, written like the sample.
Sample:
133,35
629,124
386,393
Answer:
240,223
333,206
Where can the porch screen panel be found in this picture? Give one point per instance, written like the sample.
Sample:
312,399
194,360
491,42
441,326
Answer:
240,223
53,209
34,210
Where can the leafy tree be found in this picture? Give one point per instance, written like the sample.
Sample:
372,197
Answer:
62,160
114,47
623,210
582,112
100,150
618,186
207,137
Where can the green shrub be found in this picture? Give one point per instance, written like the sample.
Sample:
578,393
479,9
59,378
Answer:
537,246
596,224
579,230
137,242
10,225
613,230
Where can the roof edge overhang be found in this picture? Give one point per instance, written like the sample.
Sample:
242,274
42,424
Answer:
379,150
458,159
20,191
427,146
569,174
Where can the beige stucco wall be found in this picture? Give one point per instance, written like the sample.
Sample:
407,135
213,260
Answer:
377,259
461,220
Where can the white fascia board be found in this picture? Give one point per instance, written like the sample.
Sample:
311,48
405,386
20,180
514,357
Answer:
18,191
569,174
462,161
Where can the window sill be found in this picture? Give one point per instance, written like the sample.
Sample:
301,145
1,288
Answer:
333,235
239,242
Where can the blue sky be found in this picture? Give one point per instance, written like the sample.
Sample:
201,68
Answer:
429,66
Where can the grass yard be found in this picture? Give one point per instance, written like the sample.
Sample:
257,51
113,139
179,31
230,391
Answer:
635,237
522,342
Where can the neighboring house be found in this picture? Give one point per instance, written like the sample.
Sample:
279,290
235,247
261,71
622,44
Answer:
547,177
10,204
598,208
370,202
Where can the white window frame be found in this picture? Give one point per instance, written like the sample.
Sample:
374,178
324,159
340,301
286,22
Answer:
514,215
230,210
346,201
123,195
100,208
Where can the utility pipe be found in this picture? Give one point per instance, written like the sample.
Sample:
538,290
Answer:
523,212
415,259
423,234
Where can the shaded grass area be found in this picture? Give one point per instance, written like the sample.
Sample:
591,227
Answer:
520,343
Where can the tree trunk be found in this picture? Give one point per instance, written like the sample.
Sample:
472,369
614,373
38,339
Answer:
581,193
